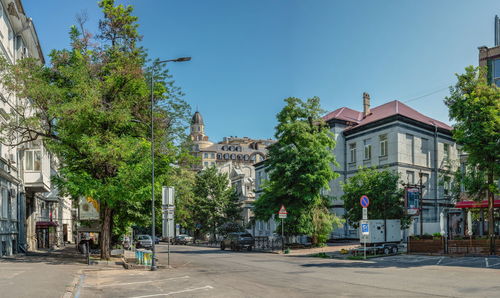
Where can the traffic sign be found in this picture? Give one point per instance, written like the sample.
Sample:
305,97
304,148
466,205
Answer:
365,213
364,201
282,215
282,210
365,230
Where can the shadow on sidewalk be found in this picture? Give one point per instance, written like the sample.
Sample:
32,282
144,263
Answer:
65,256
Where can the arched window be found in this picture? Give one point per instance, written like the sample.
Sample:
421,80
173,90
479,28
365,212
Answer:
219,155
246,157
233,156
226,156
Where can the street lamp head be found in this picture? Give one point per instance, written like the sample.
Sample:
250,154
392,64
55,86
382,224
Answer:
182,59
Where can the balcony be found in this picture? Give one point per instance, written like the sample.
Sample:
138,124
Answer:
36,181
36,167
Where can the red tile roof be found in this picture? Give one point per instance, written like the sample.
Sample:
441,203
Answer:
383,111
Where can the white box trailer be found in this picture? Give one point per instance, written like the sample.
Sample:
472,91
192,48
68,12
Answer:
382,231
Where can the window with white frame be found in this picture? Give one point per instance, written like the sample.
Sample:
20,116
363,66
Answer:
352,150
383,145
33,160
368,149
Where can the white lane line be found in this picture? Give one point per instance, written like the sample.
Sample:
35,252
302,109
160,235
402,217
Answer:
176,292
440,260
487,265
143,282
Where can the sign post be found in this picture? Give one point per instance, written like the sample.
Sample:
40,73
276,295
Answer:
168,209
365,228
282,214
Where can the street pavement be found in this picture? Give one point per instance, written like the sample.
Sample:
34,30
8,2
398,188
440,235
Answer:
209,272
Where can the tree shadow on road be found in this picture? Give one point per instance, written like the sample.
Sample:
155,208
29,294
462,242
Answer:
491,262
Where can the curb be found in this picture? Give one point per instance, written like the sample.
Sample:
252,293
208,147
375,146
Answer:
70,290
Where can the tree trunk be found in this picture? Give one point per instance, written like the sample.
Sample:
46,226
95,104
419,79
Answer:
105,236
491,214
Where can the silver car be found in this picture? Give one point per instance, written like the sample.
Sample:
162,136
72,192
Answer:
143,241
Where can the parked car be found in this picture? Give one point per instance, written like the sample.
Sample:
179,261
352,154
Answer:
238,241
143,241
183,239
157,240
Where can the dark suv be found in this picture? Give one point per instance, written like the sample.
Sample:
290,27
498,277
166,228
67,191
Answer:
238,241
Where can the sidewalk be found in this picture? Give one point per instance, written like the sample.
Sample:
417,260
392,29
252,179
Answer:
41,273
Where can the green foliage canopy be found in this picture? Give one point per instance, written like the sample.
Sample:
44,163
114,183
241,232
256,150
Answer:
300,167
382,188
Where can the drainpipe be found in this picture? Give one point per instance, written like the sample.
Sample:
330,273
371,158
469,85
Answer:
345,177
436,168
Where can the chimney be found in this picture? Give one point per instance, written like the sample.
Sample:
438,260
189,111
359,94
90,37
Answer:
366,104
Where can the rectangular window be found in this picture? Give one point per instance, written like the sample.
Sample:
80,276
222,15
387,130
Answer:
212,155
446,185
425,151
13,200
352,150
368,149
206,163
446,148
33,160
383,145
496,72
410,177
5,207
205,155
410,148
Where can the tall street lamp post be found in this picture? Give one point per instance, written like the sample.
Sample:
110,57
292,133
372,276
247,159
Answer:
153,234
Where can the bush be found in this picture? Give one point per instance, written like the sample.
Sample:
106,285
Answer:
321,255
436,235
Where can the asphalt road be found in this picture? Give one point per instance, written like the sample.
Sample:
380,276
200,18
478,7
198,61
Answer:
209,272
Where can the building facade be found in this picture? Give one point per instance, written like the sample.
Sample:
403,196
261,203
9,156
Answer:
231,151
394,136
232,156
25,170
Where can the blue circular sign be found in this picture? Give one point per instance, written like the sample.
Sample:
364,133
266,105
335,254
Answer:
364,201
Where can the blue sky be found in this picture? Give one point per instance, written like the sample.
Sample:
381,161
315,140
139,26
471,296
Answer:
248,55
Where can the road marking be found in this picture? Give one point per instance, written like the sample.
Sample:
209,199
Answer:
487,265
176,292
440,260
143,282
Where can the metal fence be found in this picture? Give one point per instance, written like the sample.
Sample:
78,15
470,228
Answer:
262,243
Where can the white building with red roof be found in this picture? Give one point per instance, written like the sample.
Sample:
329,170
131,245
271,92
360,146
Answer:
396,137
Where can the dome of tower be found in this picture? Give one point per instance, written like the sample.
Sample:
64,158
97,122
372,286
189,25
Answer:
197,119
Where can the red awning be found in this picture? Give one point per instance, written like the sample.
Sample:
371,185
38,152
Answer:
45,224
474,204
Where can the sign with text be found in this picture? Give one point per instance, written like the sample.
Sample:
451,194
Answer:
282,213
365,213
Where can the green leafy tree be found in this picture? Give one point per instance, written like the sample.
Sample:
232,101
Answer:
91,108
300,167
474,104
216,204
382,188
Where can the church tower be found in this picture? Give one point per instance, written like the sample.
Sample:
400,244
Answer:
198,131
